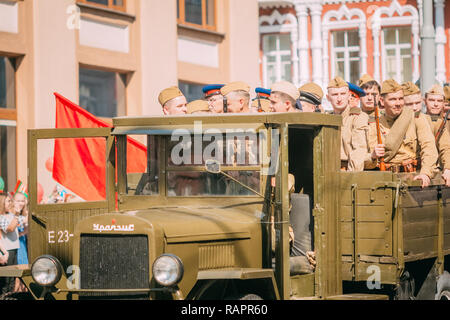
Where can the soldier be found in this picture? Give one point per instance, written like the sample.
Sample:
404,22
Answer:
261,103
311,96
172,101
198,107
434,101
354,126
412,97
214,97
407,143
372,96
236,97
283,97
355,95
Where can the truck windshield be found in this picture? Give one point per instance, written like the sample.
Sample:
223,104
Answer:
237,153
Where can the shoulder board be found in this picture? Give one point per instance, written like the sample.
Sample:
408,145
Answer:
355,110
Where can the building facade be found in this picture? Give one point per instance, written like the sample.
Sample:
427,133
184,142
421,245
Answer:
113,57
316,40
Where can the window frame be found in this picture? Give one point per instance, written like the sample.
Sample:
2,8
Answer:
278,53
346,49
182,16
110,5
397,47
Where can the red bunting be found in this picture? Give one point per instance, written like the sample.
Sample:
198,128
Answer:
79,164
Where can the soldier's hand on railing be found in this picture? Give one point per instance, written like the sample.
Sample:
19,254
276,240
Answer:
425,180
446,177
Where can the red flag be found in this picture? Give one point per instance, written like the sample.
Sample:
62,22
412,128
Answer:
79,164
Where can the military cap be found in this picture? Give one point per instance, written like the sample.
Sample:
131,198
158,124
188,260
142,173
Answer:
197,105
365,79
436,89
447,93
337,82
312,93
263,93
390,86
286,88
234,86
169,94
263,102
211,89
410,88
356,89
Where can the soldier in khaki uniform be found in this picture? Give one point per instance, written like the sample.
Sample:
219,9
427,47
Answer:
311,96
236,97
408,144
372,97
434,101
441,133
172,101
354,126
198,107
283,97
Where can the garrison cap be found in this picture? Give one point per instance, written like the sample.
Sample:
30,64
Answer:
356,89
234,86
410,88
447,93
169,94
390,86
212,89
337,82
312,93
286,88
365,79
197,105
263,93
436,89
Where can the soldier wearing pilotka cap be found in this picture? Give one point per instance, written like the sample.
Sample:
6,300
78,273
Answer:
236,97
407,144
284,97
435,101
371,97
172,101
354,126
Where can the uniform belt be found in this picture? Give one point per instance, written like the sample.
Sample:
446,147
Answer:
405,166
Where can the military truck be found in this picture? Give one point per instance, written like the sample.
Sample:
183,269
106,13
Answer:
210,217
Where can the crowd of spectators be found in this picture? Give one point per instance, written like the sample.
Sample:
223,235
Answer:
13,233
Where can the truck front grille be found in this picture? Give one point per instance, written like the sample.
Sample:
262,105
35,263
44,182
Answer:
114,262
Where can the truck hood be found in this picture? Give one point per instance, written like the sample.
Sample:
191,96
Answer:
189,224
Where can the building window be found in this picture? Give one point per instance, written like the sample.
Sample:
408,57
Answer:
102,93
110,4
8,118
396,54
277,58
197,13
191,91
346,54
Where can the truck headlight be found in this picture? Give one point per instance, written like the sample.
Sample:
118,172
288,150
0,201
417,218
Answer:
46,270
168,270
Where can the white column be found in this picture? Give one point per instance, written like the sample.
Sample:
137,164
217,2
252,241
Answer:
363,47
325,57
303,44
420,9
316,43
415,30
294,44
376,51
440,41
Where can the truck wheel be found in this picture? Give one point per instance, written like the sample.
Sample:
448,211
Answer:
247,296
